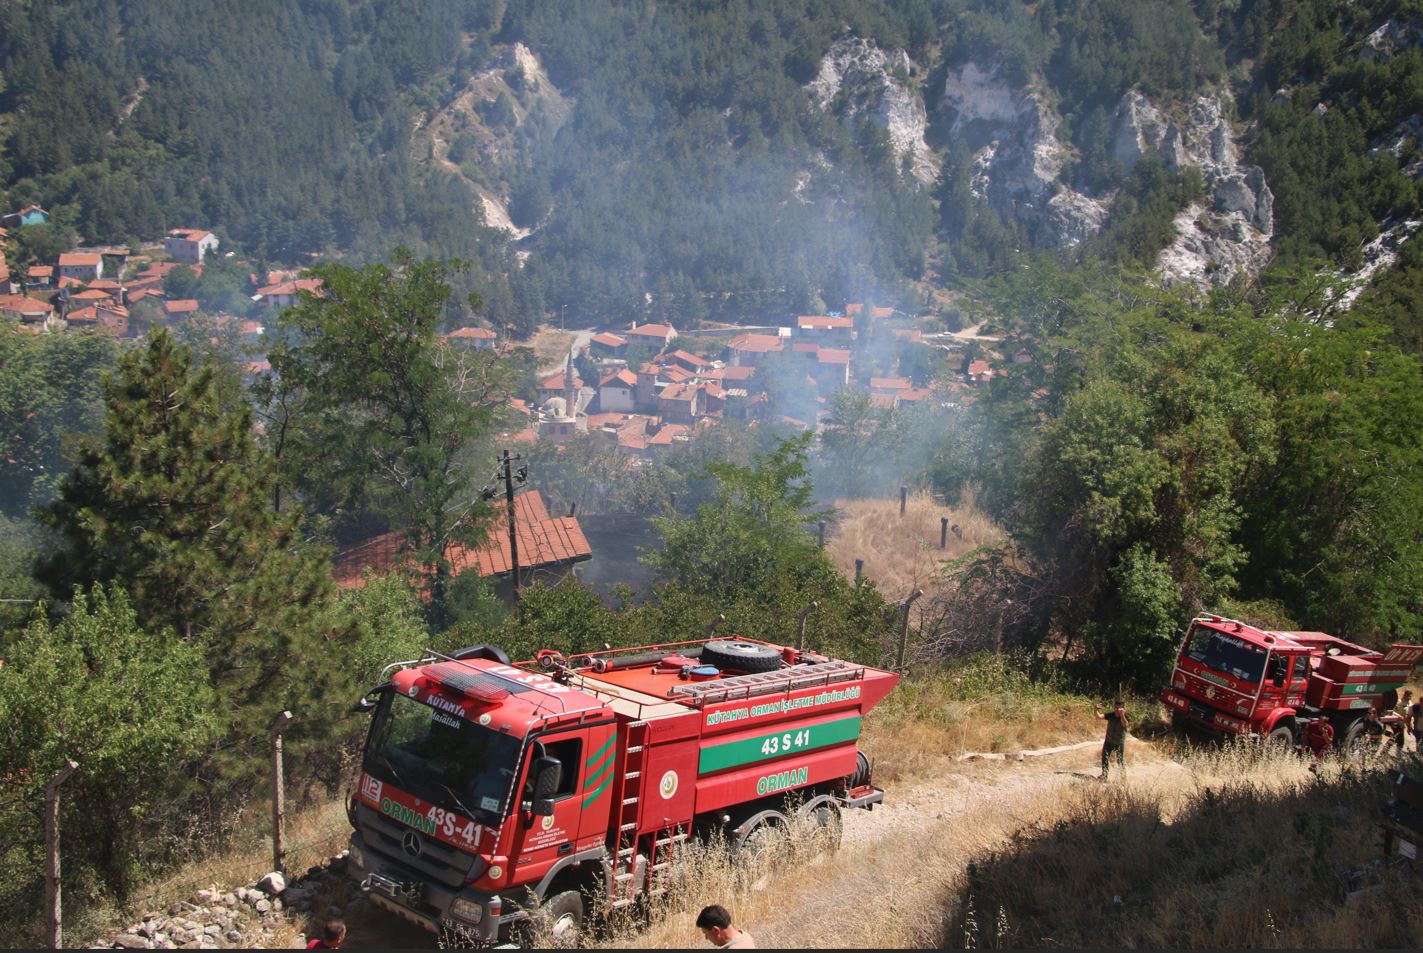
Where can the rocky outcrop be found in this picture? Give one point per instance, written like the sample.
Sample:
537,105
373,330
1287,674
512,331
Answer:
1018,160
1392,37
1379,254
859,82
1232,235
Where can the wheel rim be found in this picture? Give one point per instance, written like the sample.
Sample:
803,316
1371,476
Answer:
565,927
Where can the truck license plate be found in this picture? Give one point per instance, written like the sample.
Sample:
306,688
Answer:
1408,849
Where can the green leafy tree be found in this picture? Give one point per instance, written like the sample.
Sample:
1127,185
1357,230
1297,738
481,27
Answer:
172,504
755,528
133,707
378,414
49,394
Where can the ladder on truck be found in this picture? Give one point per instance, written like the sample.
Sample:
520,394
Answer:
623,891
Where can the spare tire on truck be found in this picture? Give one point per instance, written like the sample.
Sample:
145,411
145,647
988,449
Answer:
733,655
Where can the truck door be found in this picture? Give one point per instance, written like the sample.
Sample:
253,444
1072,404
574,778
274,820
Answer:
539,842
1299,681
1277,680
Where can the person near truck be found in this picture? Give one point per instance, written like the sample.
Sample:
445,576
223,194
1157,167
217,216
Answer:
333,934
1318,738
1413,719
715,923
1116,740
1373,732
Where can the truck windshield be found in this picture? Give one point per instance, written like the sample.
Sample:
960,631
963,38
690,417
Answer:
442,759
1223,653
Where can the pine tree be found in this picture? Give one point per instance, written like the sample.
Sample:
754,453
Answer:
172,503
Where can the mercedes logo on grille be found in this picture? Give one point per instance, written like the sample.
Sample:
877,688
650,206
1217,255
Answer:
410,843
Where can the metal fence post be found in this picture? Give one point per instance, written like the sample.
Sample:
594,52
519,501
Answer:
51,848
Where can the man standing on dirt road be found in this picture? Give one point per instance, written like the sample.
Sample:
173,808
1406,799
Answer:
1116,740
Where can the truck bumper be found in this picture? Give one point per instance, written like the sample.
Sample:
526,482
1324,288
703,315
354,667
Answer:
1190,713
400,890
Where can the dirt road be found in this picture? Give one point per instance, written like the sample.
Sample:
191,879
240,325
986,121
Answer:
889,884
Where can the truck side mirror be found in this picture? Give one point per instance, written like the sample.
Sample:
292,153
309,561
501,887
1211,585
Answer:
548,774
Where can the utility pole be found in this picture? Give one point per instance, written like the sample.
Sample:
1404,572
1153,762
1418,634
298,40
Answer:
506,462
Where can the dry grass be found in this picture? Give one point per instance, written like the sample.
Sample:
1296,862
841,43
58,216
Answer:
551,345
1235,848
902,553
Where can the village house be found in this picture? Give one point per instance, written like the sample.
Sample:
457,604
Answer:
607,344
877,314
112,318
549,548
480,339
286,293
617,392
24,309
680,403
669,436
645,396
189,245
832,369
824,329
29,215
979,372
180,307
81,266
40,276
657,335
686,360
745,350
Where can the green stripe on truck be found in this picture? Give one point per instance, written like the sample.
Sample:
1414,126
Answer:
776,744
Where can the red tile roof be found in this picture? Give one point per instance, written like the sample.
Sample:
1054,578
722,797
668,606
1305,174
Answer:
976,368
608,340
312,285
676,374
91,294
688,358
669,433
543,541
78,259
105,284
625,377
805,347
181,306
834,355
889,383
188,234
743,374
19,304
678,392
808,322
556,382
41,271
756,343
660,331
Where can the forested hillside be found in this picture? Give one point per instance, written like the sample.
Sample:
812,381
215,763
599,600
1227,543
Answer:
694,173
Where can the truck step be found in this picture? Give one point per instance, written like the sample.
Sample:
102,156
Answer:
630,825
624,902
634,749
633,774
674,839
661,865
623,877
630,800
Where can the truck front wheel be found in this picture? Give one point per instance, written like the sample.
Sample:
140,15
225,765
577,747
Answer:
1281,739
559,920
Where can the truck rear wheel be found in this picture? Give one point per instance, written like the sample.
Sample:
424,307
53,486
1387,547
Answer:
823,828
740,656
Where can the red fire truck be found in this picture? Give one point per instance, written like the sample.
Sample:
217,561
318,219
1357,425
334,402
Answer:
492,793
1234,679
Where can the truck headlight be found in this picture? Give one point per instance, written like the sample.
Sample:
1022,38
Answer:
466,910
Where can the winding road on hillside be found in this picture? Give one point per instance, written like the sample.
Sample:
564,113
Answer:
888,885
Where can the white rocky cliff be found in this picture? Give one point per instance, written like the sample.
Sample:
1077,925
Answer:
1019,161
1018,158
858,81
1228,234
